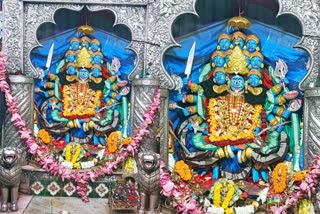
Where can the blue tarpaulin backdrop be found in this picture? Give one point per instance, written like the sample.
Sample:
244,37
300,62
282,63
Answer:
111,46
275,44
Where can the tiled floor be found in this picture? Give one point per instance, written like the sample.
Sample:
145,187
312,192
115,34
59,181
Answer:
60,205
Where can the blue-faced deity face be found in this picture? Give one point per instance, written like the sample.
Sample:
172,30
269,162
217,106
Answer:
251,45
256,62
97,59
71,70
237,83
83,74
85,44
74,45
94,47
71,58
220,78
254,80
218,61
224,44
238,41
95,72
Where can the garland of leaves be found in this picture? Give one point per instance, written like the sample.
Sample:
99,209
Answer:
48,162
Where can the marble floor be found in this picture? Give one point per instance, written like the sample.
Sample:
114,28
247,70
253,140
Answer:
61,205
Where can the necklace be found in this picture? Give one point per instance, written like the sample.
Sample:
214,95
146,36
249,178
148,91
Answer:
235,109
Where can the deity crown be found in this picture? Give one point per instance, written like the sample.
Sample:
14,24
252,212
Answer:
237,63
84,59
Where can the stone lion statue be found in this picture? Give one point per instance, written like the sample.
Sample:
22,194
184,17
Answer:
10,172
149,181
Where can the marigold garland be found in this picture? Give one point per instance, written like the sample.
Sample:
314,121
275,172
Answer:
227,199
279,177
44,136
48,162
113,142
183,170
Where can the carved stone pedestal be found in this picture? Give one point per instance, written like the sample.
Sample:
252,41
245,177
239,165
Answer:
311,134
22,90
143,91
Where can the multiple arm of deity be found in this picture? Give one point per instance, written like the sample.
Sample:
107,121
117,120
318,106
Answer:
237,70
83,69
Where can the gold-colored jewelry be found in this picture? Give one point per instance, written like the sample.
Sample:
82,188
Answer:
96,79
273,121
70,124
71,78
276,89
279,111
237,62
255,90
220,153
281,100
220,88
226,152
243,157
248,152
190,98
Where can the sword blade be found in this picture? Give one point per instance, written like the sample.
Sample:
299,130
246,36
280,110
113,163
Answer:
50,54
190,60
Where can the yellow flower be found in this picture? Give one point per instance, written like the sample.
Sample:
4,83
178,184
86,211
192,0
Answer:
113,142
126,141
44,136
183,170
279,177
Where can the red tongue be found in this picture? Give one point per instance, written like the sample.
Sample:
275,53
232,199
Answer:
9,158
148,164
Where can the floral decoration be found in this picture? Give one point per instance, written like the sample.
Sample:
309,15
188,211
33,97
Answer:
183,170
44,136
48,162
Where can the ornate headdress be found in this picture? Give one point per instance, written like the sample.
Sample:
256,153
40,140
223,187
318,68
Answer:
70,64
95,41
238,34
96,66
253,37
218,69
246,53
84,59
239,22
86,29
258,54
217,53
228,52
224,36
256,72
74,39
85,38
237,63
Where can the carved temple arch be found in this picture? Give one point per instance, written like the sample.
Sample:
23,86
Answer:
34,23
307,14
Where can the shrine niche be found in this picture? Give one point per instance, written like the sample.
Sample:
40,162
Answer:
236,117
84,127
82,95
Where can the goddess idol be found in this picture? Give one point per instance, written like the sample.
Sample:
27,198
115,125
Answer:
239,118
82,104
